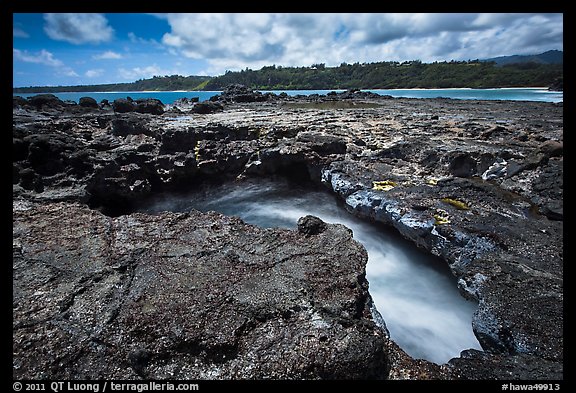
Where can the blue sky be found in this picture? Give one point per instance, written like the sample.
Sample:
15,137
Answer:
90,48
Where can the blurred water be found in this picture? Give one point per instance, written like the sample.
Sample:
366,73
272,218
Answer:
414,291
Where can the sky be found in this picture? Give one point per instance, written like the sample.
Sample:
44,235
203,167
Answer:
58,49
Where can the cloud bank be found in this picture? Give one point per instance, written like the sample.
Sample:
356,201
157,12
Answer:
235,41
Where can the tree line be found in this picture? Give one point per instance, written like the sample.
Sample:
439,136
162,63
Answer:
156,83
380,75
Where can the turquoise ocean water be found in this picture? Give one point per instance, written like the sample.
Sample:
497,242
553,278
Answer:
168,97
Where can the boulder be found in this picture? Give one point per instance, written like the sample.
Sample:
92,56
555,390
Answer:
46,101
123,105
88,102
310,225
149,105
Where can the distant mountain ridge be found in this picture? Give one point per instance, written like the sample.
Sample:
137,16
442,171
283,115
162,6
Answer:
548,57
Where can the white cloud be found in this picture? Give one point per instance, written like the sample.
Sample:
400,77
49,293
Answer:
67,71
94,73
46,58
42,57
108,55
235,41
139,40
18,32
145,72
78,28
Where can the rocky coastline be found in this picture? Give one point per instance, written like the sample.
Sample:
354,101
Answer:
102,292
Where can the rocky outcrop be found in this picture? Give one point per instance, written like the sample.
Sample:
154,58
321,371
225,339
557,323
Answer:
187,296
88,102
477,183
143,105
123,105
149,105
240,93
46,101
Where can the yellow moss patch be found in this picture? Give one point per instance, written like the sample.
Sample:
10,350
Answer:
432,182
384,185
456,203
441,217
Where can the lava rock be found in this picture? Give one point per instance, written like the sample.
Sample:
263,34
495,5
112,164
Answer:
123,105
239,93
18,101
46,101
129,125
102,280
206,107
236,308
310,225
149,105
88,102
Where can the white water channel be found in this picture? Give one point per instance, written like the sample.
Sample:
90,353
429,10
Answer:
414,291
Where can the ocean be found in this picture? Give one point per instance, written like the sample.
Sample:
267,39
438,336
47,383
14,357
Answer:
168,97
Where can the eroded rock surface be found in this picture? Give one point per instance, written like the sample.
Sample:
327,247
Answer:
478,183
187,296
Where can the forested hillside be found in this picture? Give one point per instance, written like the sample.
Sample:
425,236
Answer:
157,83
381,75
392,75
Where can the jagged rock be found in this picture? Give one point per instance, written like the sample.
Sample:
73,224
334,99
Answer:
239,93
47,152
123,105
149,105
357,94
310,225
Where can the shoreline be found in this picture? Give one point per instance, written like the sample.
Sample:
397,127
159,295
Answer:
120,92
280,90
527,94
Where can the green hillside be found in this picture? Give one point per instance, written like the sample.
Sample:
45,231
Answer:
394,75
157,83
381,75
